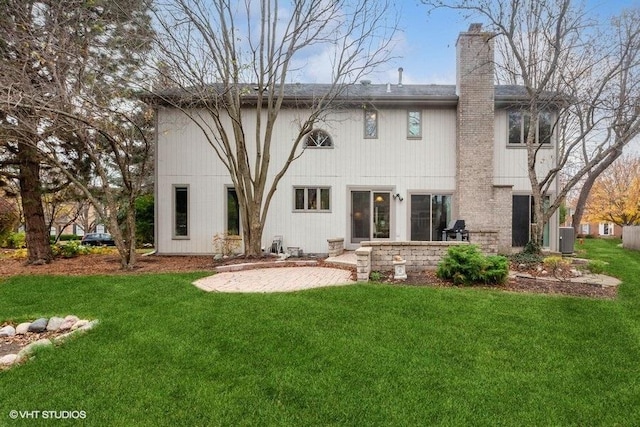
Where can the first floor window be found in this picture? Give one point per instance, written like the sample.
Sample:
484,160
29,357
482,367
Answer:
233,212
180,211
430,214
605,229
312,199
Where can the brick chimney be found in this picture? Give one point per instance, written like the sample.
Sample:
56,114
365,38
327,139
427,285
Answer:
475,200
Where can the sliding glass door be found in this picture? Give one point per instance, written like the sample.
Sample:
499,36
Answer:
370,215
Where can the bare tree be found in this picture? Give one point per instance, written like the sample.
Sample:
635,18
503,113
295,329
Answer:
585,73
222,54
67,101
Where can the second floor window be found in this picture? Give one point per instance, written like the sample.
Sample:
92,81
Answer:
370,124
318,138
520,122
414,124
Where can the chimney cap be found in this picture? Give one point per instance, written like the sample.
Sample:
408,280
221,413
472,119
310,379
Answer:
476,27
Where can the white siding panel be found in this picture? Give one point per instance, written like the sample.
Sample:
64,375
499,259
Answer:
391,160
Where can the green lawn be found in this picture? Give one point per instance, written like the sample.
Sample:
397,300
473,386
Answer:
167,354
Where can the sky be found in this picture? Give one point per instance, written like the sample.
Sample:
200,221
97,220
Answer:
427,41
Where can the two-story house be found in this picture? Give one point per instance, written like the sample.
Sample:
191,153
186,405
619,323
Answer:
399,164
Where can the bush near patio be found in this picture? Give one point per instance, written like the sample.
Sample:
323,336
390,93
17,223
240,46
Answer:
167,354
466,265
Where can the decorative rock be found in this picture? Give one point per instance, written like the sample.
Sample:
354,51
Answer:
54,323
7,331
69,321
23,328
217,257
79,324
8,359
39,325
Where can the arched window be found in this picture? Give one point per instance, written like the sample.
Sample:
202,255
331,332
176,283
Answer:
318,138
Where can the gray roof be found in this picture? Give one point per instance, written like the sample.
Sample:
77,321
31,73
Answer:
379,93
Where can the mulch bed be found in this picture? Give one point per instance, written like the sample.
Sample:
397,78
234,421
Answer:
519,284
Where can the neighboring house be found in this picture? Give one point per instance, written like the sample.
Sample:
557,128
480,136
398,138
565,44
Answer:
399,164
602,229
72,218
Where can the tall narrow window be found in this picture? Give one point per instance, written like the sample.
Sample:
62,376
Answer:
515,127
233,212
414,124
180,211
545,126
370,124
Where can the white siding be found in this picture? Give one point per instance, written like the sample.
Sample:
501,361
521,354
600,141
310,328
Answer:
391,161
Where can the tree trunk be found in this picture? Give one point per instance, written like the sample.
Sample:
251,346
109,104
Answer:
37,234
253,238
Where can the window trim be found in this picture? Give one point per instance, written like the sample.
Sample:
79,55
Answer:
306,189
419,135
315,147
174,235
525,121
365,116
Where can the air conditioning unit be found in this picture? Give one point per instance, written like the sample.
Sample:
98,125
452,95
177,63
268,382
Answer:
567,240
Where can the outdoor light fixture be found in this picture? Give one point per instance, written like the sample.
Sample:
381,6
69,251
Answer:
398,196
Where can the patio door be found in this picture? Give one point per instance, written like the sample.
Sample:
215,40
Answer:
370,215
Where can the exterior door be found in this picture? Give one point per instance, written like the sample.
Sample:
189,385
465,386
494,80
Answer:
370,215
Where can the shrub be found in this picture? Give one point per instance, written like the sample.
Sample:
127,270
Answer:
560,267
16,240
526,258
466,265
596,266
69,250
375,276
64,238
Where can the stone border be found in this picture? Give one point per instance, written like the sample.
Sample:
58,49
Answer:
70,323
263,264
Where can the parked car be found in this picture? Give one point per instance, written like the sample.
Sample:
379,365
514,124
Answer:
98,239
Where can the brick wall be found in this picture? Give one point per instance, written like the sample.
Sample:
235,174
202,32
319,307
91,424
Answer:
422,255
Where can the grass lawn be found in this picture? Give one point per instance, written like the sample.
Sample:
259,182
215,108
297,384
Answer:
167,354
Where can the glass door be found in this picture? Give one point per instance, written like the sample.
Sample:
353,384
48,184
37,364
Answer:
420,217
360,216
370,215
